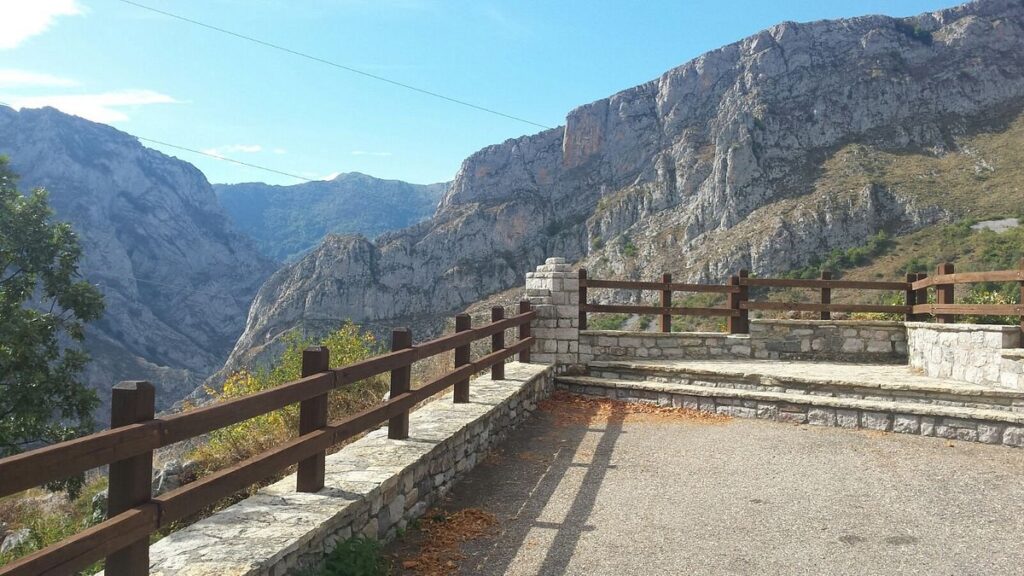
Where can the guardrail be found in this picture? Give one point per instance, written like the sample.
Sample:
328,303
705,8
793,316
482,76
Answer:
738,305
133,514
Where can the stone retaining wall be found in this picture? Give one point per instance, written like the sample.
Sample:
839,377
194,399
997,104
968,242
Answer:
975,353
374,486
831,340
963,428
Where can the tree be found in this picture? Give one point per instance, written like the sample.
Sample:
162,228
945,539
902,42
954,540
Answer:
44,305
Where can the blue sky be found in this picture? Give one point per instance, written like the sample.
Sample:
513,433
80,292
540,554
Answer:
160,78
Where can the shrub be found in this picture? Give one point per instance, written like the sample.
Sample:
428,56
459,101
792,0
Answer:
603,321
255,435
49,519
357,556
839,260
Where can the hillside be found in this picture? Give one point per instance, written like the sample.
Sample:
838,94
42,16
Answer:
716,165
286,221
176,277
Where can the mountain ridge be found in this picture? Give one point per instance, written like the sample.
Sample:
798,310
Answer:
176,277
669,167
288,220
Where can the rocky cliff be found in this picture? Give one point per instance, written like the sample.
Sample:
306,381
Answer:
718,164
177,279
286,221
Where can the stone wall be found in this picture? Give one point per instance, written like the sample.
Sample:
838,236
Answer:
975,353
950,422
828,340
614,344
374,486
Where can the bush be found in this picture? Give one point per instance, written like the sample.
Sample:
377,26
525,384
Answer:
255,435
603,321
839,260
357,556
49,518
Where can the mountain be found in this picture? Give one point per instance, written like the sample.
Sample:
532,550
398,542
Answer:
756,155
286,221
177,279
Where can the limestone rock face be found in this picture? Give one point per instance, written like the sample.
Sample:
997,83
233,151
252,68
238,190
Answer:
177,279
709,168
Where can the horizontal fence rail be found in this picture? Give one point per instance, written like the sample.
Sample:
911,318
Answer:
128,446
916,305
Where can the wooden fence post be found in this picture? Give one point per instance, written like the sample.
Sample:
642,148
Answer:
398,426
463,322
131,479
583,298
666,302
910,298
921,295
313,416
744,297
826,295
497,343
944,293
738,324
524,331
1021,282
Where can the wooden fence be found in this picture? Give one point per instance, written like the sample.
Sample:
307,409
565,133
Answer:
133,514
916,304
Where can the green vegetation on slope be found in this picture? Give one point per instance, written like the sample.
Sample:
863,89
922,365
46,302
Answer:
983,179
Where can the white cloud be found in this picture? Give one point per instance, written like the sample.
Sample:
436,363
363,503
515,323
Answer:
23,19
104,107
221,151
330,176
280,151
12,77
365,153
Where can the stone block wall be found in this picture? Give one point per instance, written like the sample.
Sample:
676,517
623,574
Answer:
826,340
974,353
860,414
618,345
553,290
374,486
829,340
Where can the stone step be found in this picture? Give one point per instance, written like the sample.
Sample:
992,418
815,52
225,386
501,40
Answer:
890,383
962,423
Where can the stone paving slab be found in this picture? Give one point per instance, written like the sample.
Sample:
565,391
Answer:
634,497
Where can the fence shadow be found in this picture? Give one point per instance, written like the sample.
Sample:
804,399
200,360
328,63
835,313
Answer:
533,486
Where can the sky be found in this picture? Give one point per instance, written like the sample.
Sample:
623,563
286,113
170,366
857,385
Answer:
160,78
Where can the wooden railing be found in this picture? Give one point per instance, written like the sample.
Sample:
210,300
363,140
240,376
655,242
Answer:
133,514
738,305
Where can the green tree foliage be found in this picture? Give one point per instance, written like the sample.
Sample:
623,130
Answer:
44,305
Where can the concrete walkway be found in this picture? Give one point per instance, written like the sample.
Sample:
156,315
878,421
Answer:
637,494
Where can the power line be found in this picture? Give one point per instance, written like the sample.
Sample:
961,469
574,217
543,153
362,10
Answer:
334,64
208,154
224,158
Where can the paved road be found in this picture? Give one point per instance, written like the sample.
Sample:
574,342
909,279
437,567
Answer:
627,495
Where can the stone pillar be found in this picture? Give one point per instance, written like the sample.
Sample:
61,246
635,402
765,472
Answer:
553,290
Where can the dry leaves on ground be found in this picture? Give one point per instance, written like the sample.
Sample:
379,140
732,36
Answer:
568,409
443,534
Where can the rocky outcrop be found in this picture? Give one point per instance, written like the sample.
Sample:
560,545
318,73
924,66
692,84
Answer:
286,221
177,279
713,166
